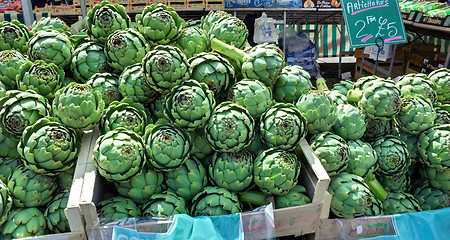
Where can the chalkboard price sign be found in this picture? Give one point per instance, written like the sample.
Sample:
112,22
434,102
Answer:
371,21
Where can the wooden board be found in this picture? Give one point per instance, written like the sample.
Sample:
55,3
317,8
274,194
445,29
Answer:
61,236
326,206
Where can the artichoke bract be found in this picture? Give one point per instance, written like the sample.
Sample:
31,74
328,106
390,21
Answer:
8,146
10,62
282,126
132,84
364,82
14,35
253,95
431,198
332,151
400,202
291,84
165,67
56,217
377,128
399,182
417,84
192,40
24,222
166,146
117,208
165,204
6,203
159,23
296,197
142,186
257,145
442,116
351,122
393,155
230,128
48,147
189,105
230,30
319,110
42,77
88,59
78,106
352,197
188,180
2,90
362,159
106,84
441,78
416,115
337,97
104,19
126,114
119,155
439,179
46,23
201,149
213,201
276,171
211,18
434,147
343,86
20,110
7,167
30,189
51,45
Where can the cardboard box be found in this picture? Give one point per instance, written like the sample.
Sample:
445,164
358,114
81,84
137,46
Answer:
244,3
283,3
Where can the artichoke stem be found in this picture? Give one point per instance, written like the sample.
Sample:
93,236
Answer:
322,84
354,95
254,197
228,50
375,187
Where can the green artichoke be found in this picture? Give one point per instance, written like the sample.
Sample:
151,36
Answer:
14,35
51,45
156,108
159,23
438,178
49,147
253,95
192,23
192,40
165,204
360,84
291,84
48,23
165,67
78,106
7,167
230,30
442,116
400,202
10,62
343,86
411,144
142,186
30,189
56,217
20,110
88,59
352,197
65,178
230,128
393,155
431,198
213,201
257,145
276,171
264,62
8,146
417,84
441,78
351,122
189,105
127,114
118,208
6,202
104,19
2,90
319,110
398,182
332,151
201,149
211,18
434,147
296,197
337,97
377,128
132,84
24,222
42,77
166,146
232,171
119,155
362,159
282,126
416,115
107,85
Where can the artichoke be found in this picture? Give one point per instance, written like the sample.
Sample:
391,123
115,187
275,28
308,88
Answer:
399,182
411,144
56,217
20,110
296,197
257,145
362,159
78,106
343,87
441,79
24,222
276,171
351,122
393,155
49,147
14,35
253,95
119,155
159,23
189,105
439,179
30,189
416,115
107,85
282,126
192,40
291,84
332,151
142,186
264,62
10,62
65,179
417,84
51,45
165,67
88,59
211,18
166,146
7,167
377,128
434,147
230,128
442,116
337,97
44,78
230,30
127,114
8,146
6,202
319,110
47,23
364,82
164,205
201,149
192,23
117,208
400,202
213,201
132,84
431,198
104,19
156,108
188,180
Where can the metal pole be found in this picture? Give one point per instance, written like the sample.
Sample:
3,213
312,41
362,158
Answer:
28,15
284,33
83,8
340,47
316,35
392,60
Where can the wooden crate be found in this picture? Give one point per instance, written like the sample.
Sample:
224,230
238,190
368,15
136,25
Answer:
215,4
398,68
196,4
137,7
424,58
288,221
133,2
165,2
177,4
